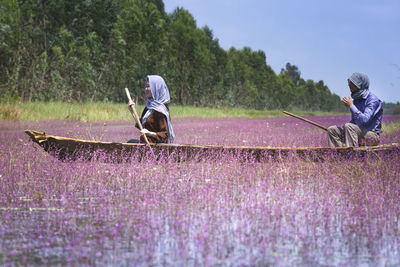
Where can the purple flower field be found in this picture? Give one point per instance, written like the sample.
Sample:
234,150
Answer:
221,212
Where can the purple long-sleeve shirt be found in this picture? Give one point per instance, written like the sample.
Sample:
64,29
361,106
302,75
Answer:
367,113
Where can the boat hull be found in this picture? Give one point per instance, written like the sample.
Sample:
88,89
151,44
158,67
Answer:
69,149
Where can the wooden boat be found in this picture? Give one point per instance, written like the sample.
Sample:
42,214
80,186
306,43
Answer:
74,149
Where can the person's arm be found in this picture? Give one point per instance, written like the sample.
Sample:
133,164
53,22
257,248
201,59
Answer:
156,128
363,118
141,118
348,102
131,107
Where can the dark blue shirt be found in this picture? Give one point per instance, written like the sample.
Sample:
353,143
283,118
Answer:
367,113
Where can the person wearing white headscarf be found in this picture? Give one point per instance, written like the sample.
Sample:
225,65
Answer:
366,110
155,119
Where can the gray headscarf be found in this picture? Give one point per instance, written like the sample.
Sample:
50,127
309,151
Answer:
160,93
362,82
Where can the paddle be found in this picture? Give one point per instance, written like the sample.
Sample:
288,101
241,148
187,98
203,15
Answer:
137,119
303,119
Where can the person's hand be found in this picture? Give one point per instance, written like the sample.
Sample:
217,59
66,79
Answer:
131,105
145,131
347,101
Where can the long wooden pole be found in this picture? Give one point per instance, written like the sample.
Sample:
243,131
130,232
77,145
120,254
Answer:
303,119
137,119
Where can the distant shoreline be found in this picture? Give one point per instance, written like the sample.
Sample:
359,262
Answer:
102,111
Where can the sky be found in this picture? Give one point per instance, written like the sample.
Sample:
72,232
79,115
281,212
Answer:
326,40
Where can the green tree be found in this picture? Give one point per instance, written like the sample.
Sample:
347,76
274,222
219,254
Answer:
293,72
189,57
79,50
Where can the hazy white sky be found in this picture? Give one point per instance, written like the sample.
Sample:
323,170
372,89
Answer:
327,40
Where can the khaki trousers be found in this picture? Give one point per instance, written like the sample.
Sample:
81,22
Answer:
351,135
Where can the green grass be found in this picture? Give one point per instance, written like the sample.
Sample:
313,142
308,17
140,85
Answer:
100,111
41,111
391,127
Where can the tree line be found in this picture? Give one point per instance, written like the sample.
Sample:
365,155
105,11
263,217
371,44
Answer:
80,50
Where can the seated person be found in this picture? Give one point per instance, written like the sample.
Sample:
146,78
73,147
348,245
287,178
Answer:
366,116
155,117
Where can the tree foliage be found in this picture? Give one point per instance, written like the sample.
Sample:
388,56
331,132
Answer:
80,50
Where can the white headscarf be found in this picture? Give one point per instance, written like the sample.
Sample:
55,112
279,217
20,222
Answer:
362,82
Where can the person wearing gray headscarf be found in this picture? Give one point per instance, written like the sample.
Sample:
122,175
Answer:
366,110
155,119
